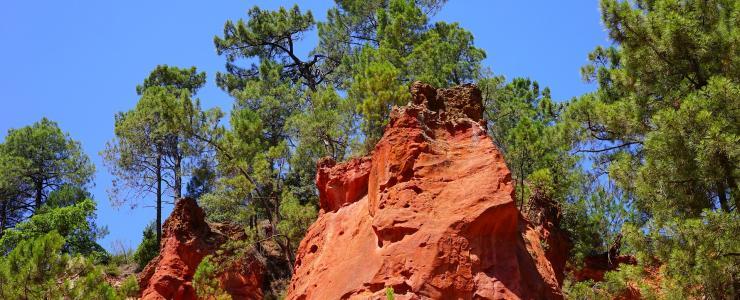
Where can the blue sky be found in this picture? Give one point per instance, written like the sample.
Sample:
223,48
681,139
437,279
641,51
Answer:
78,62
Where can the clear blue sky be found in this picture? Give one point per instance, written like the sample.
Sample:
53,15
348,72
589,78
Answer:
78,62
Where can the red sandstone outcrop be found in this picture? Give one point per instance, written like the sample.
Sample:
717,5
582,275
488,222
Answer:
342,184
186,240
542,221
437,221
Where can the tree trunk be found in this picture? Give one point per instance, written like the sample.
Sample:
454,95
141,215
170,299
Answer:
289,254
159,199
39,194
521,186
178,176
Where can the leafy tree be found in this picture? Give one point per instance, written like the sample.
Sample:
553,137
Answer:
446,56
699,255
353,25
365,49
66,195
699,263
376,88
205,280
379,76
270,36
42,188
667,101
254,153
399,47
324,128
156,138
174,78
44,159
527,126
664,125
522,123
297,218
135,157
253,156
185,120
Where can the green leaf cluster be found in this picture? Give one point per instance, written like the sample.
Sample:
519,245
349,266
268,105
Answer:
74,222
38,269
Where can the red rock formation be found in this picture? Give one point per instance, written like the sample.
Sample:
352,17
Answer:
343,184
186,240
543,222
438,220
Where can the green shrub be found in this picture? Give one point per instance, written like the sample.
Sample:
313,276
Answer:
148,249
129,287
205,280
112,270
38,268
389,293
585,290
72,222
120,254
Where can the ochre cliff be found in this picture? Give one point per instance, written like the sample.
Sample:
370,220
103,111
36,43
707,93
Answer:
186,239
430,213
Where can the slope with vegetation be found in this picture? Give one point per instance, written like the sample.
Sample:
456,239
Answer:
649,159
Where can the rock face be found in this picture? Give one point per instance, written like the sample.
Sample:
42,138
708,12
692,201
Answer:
342,184
543,223
437,221
186,240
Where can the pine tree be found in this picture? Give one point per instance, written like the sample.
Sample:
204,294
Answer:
156,138
664,125
42,158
